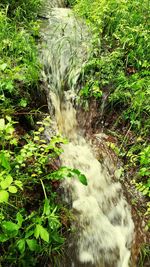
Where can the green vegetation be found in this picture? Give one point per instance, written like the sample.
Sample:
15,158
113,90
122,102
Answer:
19,66
32,221
119,69
30,218
118,73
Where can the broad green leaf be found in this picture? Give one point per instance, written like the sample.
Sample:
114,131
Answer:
7,182
9,226
4,161
29,233
21,245
32,244
42,232
3,237
12,189
4,195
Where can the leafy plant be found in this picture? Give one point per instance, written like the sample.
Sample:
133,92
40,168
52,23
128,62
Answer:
19,66
30,218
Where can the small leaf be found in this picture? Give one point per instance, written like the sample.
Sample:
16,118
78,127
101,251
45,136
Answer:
41,129
4,195
42,232
12,189
2,124
82,179
4,161
21,245
37,231
9,86
8,118
23,102
36,138
32,244
7,182
20,219
3,66
46,207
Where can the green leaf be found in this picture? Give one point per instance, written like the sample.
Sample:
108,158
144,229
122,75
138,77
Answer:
7,182
32,244
29,233
82,179
41,129
9,226
3,66
46,210
37,231
9,86
2,124
23,102
12,189
42,232
20,219
4,195
21,245
3,237
4,161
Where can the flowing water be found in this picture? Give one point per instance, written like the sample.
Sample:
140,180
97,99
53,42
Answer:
103,228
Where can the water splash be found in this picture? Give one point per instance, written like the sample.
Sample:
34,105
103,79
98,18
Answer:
104,227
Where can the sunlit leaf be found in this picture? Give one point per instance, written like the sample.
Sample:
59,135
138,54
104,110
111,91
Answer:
4,195
12,189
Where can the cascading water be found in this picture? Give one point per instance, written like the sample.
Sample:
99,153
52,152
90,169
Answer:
104,227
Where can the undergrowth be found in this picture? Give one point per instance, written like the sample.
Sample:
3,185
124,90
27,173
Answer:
118,74
19,65
119,68
32,222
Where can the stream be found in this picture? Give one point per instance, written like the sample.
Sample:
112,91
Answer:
103,229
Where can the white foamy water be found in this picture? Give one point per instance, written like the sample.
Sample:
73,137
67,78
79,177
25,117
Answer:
103,224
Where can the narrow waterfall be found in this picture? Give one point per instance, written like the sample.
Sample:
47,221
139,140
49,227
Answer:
103,227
